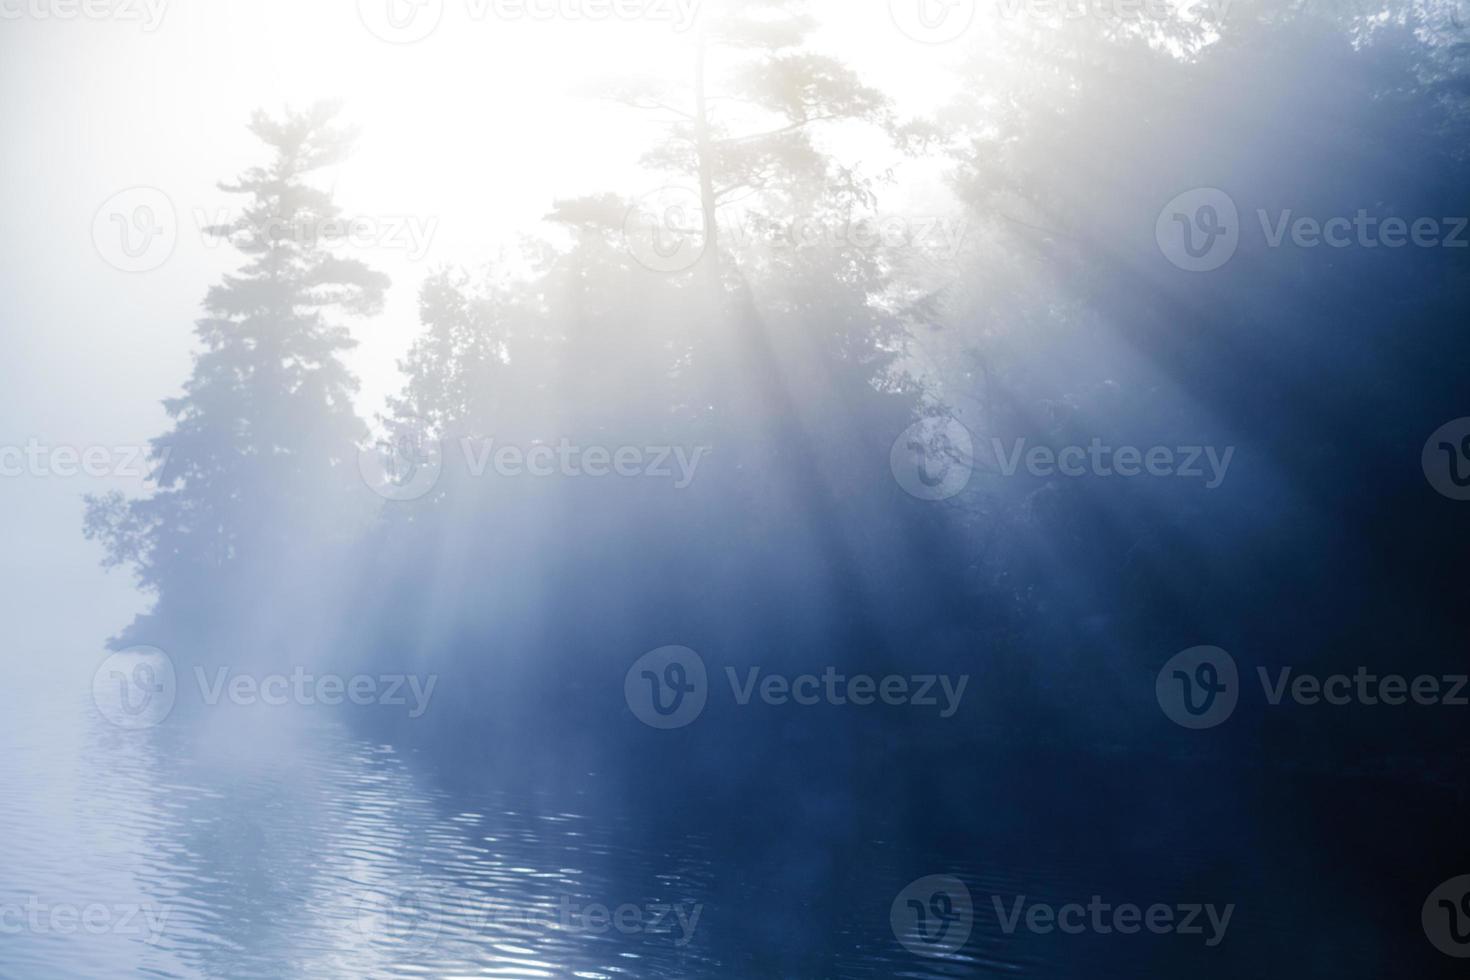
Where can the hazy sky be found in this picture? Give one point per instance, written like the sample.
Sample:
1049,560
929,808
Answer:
468,136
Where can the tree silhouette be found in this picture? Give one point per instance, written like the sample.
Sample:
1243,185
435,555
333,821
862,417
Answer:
261,460
744,121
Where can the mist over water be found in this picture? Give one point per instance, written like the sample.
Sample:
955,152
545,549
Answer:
750,488
267,846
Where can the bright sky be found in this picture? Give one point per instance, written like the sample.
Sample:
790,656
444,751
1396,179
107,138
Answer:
472,132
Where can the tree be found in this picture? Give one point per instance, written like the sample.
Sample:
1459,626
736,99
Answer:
775,367
744,121
260,465
1070,323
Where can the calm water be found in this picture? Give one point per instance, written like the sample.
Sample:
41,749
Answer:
270,844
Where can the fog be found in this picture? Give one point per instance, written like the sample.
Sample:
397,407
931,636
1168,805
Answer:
813,481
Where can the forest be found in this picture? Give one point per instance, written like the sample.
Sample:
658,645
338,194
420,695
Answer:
1083,505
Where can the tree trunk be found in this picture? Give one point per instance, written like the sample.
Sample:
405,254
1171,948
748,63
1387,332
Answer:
704,149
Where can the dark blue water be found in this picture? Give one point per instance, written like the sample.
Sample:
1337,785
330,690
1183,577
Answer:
282,844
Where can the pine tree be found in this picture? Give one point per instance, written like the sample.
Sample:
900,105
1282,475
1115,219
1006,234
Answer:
743,123
260,465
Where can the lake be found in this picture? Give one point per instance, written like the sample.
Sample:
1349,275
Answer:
286,843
